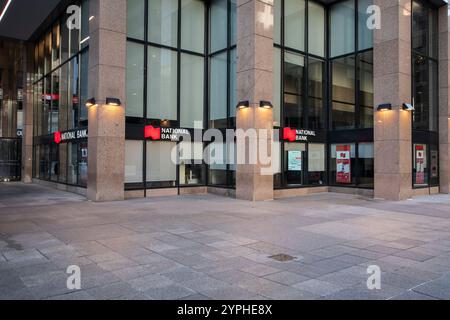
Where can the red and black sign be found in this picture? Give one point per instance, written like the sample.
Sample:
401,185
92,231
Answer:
297,135
68,136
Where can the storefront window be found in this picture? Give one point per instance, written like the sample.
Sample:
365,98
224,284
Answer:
294,89
135,80
192,170
316,164
161,170
366,165
316,29
61,87
133,161
366,90
343,164
420,173
295,158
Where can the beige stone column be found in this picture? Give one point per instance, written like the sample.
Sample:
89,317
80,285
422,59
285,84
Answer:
27,139
255,81
107,69
444,106
392,80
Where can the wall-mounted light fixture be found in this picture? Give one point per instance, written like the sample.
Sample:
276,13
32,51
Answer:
266,105
384,107
90,103
408,107
243,105
113,102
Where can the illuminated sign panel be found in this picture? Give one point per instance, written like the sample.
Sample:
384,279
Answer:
68,136
165,134
297,135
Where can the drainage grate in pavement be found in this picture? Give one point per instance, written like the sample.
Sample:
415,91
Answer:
282,257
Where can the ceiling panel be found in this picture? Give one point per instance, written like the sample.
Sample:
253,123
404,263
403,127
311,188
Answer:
24,17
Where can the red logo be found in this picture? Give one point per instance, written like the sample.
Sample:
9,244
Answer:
152,133
290,134
57,137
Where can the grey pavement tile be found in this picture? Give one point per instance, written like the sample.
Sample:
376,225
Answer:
195,297
182,274
260,270
172,292
74,296
318,287
434,289
228,293
286,278
383,249
152,281
22,255
233,276
112,291
411,296
412,255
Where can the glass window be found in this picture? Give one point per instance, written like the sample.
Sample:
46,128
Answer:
163,22
342,20
193,25
316,70
64,39
218,106
192,91
424,29
135,80
161,170
277,22
366,90
133,161
343,164
434,165
365,35
135,19
233,22
343,104
63,97
221,159
84,85
74,85
294,84
233,85
366,165
420,170
316,164
219,24
316,29
83,164
162,84
72,156
85,24
192,170
54,162
55,101
425,88
294,19
56,44
295,154
277,87
62,170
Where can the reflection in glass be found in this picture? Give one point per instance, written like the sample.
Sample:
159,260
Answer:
343,93
366,89
294,87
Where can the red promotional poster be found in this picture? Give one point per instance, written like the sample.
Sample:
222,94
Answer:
343,164
420,165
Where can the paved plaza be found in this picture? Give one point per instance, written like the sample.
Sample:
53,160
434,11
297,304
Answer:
209,247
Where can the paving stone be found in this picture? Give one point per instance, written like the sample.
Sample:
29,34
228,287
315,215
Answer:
286,278
172,292
111,291
318,287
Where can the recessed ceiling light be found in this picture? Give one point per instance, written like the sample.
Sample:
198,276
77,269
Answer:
5,9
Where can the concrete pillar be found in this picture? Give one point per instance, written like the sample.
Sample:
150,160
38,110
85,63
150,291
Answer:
254,82
444,106
107,70
27,139
392,79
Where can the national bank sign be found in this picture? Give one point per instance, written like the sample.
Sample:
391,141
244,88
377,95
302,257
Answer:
69,136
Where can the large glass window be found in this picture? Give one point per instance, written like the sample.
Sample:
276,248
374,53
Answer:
316,29
295,23
342,28
61,66
343,93
161,171
425,68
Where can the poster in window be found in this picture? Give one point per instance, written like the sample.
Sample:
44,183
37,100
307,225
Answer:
295,161
420,165
343,164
